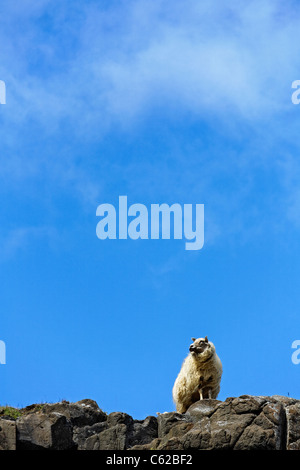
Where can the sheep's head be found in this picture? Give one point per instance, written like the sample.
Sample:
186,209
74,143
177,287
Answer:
201,348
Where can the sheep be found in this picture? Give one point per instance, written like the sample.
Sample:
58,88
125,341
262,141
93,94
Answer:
199,377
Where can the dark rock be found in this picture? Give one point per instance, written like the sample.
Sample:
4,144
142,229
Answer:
112,438
7,434
120,432
81,413
119,418
166,421
293,426
246,422
153,445
81,434
202,408
142,433
266,432
238,423
37,431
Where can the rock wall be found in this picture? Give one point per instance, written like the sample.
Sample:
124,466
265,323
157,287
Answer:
242,423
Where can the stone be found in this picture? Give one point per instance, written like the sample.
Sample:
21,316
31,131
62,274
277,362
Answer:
246,422
267,430
7,434
81,413
293,426
117,417
120,432
238,423
37,431
143,432
112,438
202,408
81,434
166,421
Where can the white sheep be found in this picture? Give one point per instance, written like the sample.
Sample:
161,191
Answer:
199,377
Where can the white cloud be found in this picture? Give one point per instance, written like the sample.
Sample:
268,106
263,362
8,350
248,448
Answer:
91,69
236,61
209,58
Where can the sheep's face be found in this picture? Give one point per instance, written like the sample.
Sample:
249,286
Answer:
201,348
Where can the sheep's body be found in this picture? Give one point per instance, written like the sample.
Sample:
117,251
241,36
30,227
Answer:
199,377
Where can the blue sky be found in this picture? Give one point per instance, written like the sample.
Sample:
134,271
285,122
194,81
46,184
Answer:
165,103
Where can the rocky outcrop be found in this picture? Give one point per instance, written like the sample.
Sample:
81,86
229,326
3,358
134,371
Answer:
241,423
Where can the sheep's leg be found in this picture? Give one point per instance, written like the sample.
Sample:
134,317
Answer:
200,389
209,393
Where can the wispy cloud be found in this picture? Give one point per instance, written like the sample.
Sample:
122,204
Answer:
211,59
16,240
79,72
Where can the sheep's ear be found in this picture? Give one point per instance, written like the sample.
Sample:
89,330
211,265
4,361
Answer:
205,339
193,339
